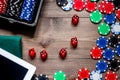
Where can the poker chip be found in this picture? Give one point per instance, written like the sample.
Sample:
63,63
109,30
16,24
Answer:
113,40
68,7
83,73
114,65
34,77
59,75
108,54
101,7
95,75
111,76
78,5
117,50
93,17
106,7
115,28
116,3
96,53
110,18
94,0
43,77
27,10
109,7
103,29
90,6
102,66
102,42
61,2
118,14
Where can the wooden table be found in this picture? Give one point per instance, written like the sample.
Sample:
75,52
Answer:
54,32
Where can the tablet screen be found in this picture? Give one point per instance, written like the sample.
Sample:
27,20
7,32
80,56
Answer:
10,70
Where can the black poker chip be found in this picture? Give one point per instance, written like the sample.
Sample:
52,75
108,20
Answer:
114,65
113,40
34,77
61,2
116,3
43,77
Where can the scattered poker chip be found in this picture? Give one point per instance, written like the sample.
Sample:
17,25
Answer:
93,17
96,53
59,75
102,42
103,29
111,76
78,5
95,75
68,7
101,7
94,0
102,66
34,77
114,65
90,6
116,3
109,7
117,50
113,40
115,28
118,14
43,77
61,2
110,18
83,73
108,54
106,7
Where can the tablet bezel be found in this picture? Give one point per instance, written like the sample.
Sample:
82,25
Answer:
30,67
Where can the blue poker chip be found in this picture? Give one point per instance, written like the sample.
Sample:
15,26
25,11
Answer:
69,6
102,66
95,75
115,28
108,54
117,50
43,77
102,42
110,18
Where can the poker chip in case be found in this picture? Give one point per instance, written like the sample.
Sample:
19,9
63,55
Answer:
14,18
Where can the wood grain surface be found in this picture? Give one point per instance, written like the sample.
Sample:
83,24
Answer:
53,32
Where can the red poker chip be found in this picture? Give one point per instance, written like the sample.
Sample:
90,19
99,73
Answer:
90,6
96,53
78,5
101,7
83,73
109,7
111,76
118,14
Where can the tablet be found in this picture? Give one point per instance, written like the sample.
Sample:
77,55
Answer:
14,68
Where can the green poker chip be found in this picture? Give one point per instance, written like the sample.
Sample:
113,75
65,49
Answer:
96,16
93,0
103,29
59,75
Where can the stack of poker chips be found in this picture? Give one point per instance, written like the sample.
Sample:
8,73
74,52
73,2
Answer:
27,10
3,5
14,7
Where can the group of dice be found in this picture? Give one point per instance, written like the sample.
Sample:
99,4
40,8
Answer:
62,52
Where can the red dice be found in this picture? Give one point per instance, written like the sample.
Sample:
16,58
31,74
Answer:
74,42
75,19
63,53
43,55
32,53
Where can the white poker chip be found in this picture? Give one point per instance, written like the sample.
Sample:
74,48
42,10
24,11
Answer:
115,28
95,75
69,6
